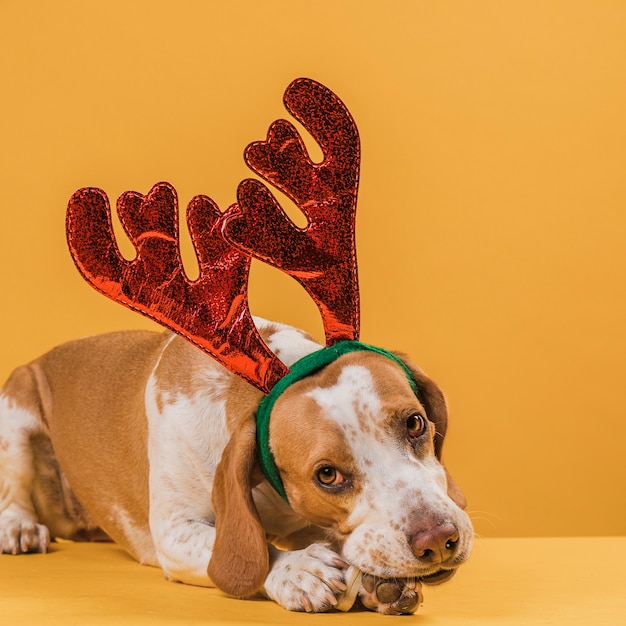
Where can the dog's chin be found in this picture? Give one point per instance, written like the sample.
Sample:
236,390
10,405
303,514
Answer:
442,576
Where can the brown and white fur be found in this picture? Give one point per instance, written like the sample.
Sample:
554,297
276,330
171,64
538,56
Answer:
142,436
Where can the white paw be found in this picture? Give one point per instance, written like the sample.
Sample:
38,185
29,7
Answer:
21,534
391,597
306,580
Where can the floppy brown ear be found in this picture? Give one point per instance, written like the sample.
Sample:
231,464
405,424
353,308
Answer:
240,561
437,411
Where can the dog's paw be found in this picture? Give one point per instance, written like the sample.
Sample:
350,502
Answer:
19,535
306,580
390,597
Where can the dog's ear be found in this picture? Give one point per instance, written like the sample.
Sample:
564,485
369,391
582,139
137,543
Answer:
437,411
240,561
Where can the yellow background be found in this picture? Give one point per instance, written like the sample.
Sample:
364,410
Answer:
492,208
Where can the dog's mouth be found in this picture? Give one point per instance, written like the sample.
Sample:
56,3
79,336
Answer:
438,577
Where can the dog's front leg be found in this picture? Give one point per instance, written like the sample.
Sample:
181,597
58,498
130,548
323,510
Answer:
185,550
186,435
181,520
299,580
305,580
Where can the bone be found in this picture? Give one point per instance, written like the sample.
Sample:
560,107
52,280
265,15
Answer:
346,600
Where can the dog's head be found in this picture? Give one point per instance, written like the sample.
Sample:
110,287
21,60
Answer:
359,455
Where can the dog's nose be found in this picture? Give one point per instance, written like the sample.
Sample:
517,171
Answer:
435,544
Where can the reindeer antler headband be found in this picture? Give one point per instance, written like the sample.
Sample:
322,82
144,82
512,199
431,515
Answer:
212,311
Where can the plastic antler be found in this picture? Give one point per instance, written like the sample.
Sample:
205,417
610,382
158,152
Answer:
322,256
211,312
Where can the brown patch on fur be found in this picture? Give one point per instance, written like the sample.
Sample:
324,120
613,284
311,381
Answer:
99,432
187,371
242,401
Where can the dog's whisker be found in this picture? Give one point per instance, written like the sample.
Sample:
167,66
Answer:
484,516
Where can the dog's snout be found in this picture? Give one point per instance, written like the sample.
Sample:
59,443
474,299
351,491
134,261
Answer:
435,544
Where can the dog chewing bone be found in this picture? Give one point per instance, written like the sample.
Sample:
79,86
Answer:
163,442
144,437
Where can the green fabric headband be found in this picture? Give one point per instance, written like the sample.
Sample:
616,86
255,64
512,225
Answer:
301,369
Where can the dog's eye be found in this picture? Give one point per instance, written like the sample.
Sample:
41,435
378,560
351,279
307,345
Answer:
416,425
329,476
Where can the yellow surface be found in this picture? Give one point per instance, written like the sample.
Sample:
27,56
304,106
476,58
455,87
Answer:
492,210
507,582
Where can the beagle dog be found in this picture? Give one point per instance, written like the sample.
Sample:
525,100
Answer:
142,438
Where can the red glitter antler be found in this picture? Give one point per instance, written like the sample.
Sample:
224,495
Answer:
212,311
322,256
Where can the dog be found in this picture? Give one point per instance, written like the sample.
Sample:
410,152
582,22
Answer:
140,437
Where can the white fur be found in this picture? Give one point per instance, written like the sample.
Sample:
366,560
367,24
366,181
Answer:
288,343
186,438
308,579
19,530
